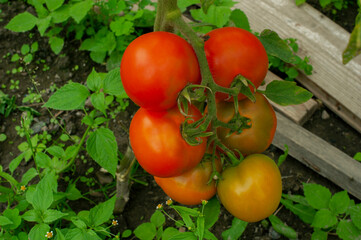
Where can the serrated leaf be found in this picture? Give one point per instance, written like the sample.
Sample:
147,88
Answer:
98,101
69,97
61,14
286,93
43,196
43,24
211,212
157,219
22,22
102,212
348,231
205,4
94,81
305,213
53,4
355,213
56,151
281,228
354,44
113,84
51,215
239,18
102,147
39,231
32,216
146,231
56,44
318,234
324,219
275,46
79,10
316,195
121,26
339,202
216,15
12,215
236,230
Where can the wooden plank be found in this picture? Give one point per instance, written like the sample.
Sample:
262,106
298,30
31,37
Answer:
337,85
318,155
297,113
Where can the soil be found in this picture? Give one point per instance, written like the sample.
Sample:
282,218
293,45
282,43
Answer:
75,65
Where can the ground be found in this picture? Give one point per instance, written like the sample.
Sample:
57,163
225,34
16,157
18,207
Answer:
75,65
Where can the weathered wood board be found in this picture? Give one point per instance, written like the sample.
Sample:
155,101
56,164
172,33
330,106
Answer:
337,85
297,113
319,155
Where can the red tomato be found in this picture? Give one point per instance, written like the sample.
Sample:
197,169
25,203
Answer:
191,187
252,190
155,67
158,144
231,51
263,119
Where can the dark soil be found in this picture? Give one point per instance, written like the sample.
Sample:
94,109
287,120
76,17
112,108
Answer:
75,65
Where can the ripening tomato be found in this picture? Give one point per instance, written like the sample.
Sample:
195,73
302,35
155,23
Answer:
191,187
155,67
158,145
233,51
251,191
263,125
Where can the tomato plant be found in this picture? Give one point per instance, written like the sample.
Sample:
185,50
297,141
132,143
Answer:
155,67
193,186
158,144
259,136
233,51
251,191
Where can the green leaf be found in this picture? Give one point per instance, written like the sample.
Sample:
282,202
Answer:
200,227
319,235
339,202
98,57
127,233
5,221
355,213
324,219
145,231
43,195
348,231
299,2
121,26
59,234
69,97
28,176
102,212
78,223
72,193
61,14
56,44
317,196
22,22
357,156
281,228
39,231
211,212
157,219
15,57
52,215
94,81
56,151
305,213
32,216
15,163
102,147
239,18
169,233
25,48
43,24
236,230
286,93
53,4
113,84
79,10
42,160
217,16
12,215
28,58
184,236
324,3
98,101
275,46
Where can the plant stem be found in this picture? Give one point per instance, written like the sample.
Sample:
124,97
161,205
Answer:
77,149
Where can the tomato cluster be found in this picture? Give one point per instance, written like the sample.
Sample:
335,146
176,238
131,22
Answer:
155,68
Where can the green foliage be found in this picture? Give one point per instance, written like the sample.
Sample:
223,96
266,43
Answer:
103,31
325,212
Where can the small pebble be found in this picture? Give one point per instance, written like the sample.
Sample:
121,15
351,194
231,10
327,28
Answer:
325,115
273,234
